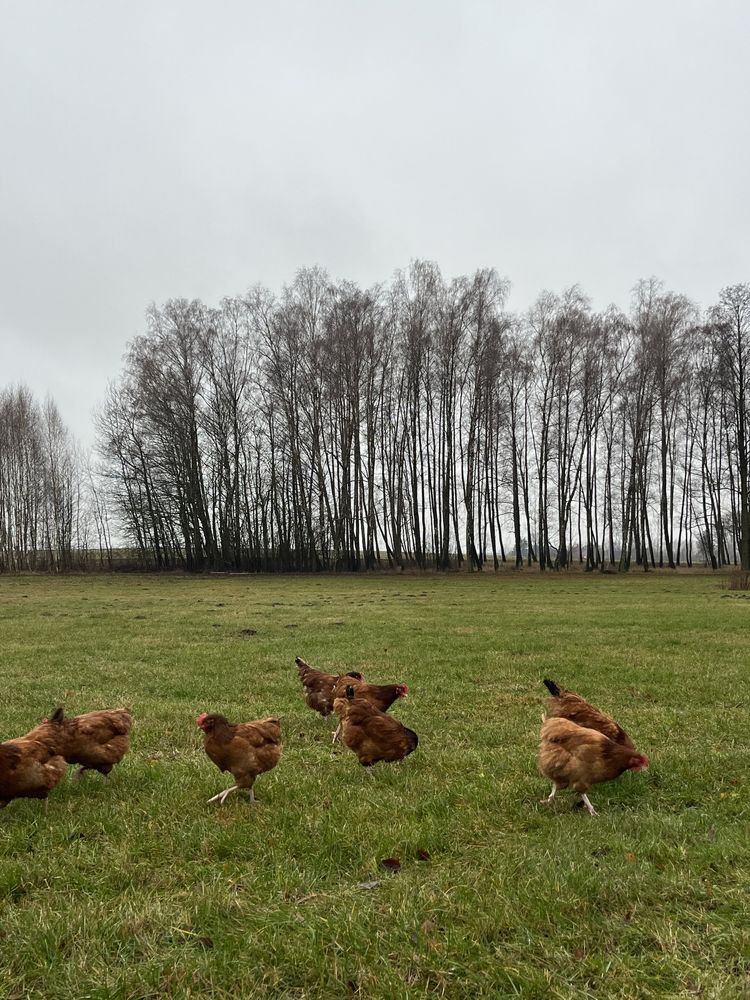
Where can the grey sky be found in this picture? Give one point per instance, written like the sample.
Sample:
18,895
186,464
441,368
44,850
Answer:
160,149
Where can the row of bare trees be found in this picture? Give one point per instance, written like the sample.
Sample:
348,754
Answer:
421,423
40,486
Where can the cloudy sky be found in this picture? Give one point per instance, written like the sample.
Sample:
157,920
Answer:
172,148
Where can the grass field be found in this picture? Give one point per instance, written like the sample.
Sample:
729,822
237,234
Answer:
140,889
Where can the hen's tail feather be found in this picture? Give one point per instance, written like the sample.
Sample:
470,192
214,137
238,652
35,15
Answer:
553,689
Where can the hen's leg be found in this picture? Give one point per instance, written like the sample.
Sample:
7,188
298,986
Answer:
222,796
587,804
77,775
551,795
225,794
337,733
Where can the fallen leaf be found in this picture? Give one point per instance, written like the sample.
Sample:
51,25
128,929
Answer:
391,864
629,856
423,855
369,885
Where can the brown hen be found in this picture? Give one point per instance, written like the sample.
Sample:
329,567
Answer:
371,734
29,769
576,757
382,696
96,741
245,749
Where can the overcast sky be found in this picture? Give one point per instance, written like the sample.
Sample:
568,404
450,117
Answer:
161,149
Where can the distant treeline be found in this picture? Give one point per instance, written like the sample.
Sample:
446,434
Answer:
39,485
420,423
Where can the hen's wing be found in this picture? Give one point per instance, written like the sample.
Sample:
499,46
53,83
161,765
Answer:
565,704
10,758
102,726
258,733
98,740
255,747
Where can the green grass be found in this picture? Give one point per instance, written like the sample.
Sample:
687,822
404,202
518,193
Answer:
141,889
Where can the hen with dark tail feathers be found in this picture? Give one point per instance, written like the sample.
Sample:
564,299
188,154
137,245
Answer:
581,746
568,705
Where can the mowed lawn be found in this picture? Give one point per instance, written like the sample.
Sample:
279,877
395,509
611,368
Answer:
141,889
